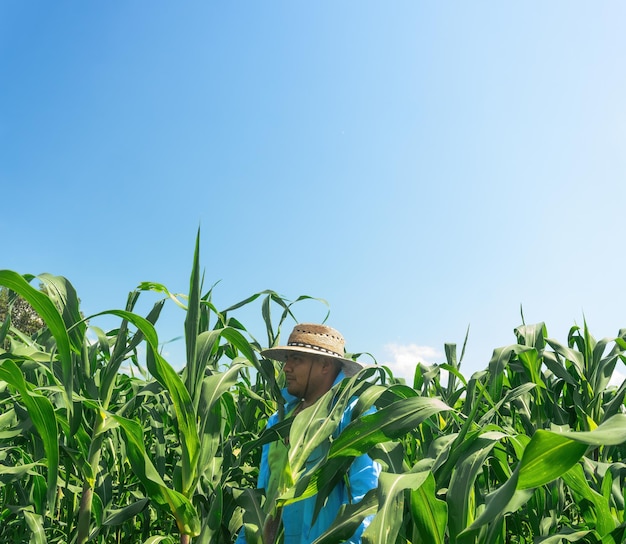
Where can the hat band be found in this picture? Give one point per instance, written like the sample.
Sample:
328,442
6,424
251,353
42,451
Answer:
317,348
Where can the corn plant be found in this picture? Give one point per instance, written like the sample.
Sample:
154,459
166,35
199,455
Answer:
118,451
103,440
511,464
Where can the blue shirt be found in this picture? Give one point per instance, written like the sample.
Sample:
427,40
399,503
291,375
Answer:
297,517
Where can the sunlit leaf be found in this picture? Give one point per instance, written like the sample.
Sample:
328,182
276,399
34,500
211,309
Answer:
386,424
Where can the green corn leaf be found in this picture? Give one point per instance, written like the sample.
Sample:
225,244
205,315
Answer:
461,489
253,515
348,519
612,432
439,450
395,392
510,395
386,424
566,535
215,516
42,414
171,381
547,456
390,455
42,304
429,513
61,291
315,424
158,539
576,480
246,301
213,387
280,431
239,341
160,288
614,405
617,536
206,348
576,357
506,499
44,307
321,479
211,438
531,361
388,519
210,426
39,494
4,329
122,347
35,524
11,473
556,366
532,335
184,512
499,361
121,515
185,417
193,369
603,367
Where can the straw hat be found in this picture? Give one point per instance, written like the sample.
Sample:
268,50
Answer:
318,340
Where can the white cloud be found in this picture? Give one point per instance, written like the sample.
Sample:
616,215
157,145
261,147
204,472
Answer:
402,359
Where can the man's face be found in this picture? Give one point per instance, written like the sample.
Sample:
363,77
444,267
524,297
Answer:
301,369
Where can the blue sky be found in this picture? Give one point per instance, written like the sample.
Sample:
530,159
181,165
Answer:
425,167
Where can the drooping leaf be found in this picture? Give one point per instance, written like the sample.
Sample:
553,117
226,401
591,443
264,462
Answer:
549,454
51,316
42,414
386,424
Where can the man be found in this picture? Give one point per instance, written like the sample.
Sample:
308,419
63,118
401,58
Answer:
314,362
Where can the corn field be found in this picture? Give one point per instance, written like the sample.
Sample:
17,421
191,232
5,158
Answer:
102,440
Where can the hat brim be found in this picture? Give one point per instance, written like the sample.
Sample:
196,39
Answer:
349,367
